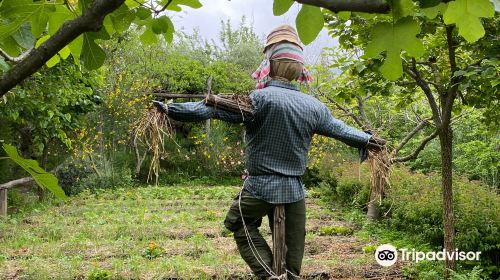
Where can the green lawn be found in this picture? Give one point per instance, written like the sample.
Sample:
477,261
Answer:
158,233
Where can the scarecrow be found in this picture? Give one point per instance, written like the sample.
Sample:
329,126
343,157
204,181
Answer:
278,136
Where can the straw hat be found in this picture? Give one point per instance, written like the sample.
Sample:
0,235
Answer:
282,33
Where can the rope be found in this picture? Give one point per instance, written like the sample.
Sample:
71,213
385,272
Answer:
255,252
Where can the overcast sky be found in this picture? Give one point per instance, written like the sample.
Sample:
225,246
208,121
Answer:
259,12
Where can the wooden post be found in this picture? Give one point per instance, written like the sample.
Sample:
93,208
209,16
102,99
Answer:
3,202
8,185
279,246
209,91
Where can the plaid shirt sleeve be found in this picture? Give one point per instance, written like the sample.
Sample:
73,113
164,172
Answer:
332,127
198,111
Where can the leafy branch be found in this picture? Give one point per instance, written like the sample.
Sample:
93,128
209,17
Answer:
91,20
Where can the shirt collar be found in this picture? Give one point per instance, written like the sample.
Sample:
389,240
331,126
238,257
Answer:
282,84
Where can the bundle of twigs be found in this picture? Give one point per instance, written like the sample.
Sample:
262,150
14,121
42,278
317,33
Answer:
380,169
151,130
380,172
236,103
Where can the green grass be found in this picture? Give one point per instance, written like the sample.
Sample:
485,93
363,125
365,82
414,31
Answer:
111,230
154,233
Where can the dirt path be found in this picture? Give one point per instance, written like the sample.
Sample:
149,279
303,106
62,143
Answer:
163,233
338,256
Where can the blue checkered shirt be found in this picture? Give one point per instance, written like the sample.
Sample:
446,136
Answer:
277,137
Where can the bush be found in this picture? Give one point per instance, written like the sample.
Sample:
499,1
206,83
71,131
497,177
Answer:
311,177
70,175
107,179
415,204
474,274
335,230
417,208
353,192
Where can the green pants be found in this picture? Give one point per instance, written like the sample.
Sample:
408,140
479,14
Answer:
253,210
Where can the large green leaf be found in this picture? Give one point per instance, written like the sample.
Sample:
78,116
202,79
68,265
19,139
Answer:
65,52
432,12
4,66
10,46
175,4
43,179
403,8
143,13
281,6
58,17
466,14
344,15
108,25
76,48
309,23
39,20
24,37
93,55
169,34
133,3
148,37
160,25
20,11
122,18
392,38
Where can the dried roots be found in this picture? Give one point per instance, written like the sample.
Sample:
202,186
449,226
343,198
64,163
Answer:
151,130
380,172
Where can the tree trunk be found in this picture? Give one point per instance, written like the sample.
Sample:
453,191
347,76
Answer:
446,138
373,212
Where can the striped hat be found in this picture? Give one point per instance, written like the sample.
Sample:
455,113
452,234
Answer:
282,33
282,50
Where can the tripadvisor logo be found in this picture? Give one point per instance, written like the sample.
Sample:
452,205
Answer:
387,255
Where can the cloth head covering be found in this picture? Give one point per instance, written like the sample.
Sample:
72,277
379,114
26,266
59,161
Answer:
282,33
282,44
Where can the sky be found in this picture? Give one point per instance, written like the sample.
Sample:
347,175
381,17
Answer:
258,12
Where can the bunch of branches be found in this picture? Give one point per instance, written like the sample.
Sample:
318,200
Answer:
151,130
236,103
380,171
380,168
